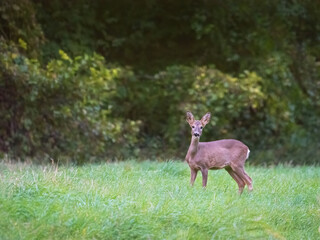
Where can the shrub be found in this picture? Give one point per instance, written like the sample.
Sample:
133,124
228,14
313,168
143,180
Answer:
64,109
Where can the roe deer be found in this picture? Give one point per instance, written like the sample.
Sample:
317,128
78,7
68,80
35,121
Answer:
229,154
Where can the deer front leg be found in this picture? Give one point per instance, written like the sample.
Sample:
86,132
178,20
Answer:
194,173
204,177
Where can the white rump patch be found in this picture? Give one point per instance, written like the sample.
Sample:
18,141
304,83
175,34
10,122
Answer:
248,153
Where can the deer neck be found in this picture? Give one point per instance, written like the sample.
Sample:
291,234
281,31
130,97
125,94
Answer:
193,148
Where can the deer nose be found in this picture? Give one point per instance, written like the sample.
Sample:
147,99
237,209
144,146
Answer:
196,134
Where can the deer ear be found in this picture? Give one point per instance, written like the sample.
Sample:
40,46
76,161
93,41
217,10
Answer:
205,119
190,118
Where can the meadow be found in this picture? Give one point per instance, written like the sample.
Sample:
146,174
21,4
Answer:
153,200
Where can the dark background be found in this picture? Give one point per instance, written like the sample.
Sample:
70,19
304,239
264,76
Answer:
85,81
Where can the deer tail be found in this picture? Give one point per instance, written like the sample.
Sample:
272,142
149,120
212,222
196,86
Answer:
248,153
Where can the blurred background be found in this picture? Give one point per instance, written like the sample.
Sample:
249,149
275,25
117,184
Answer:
85,81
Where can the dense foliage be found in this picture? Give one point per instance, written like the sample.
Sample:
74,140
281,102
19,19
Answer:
95,79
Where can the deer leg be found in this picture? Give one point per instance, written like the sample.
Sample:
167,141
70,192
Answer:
241,173
194,173
250,187
240,182
204,172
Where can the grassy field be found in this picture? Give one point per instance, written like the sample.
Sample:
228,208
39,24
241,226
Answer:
152,200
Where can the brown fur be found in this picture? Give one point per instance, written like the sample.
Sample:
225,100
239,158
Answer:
229,154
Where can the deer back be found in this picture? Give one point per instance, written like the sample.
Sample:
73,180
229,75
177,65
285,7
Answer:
221,153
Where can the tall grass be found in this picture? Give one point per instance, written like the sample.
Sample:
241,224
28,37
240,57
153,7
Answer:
152,200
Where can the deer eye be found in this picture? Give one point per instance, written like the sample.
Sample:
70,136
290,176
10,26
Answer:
192,126
201,127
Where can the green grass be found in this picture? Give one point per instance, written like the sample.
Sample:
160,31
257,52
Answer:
152,200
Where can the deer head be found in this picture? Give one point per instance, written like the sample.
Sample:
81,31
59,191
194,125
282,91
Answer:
197,125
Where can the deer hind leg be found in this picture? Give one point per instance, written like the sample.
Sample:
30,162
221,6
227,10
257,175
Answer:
239,181
194,173
250,187
244,176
